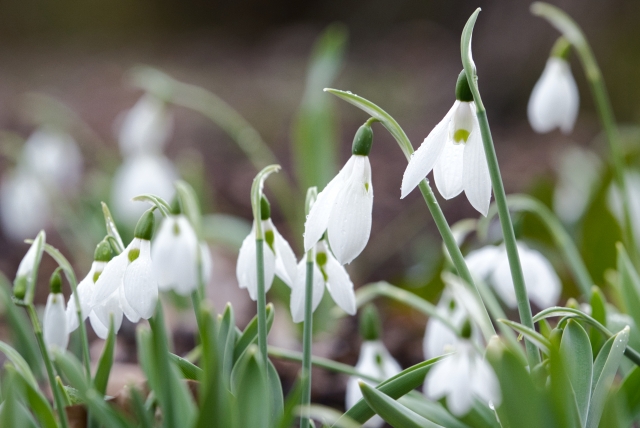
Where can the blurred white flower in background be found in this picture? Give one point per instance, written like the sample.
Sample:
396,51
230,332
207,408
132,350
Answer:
632,181
578,170
49,167
491,264
144,132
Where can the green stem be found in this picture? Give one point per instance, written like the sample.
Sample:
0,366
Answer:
262,301
573,33
57,395
559,235
307,340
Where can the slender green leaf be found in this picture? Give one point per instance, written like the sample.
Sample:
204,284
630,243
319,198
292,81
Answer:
277,396
256,195
112,230
564,401
575,351
189,370
629,281
226,342
250,333
12,413
157,202
249,383
143,415
605,368
393,412
105,363
190,206
539,340
19,363
38,403
630,388
328,416
293,399
432,410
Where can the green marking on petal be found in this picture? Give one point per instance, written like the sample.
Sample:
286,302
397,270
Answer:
176,229
269,238
366,186
461,135
321,259
96,275
133,254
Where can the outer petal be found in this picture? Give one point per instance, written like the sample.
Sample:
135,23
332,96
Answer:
111,277
502,281
174,255
104,311
448,170
298,291
460,398
85,291
554,100
247,270
339,285
350,222
484,383
437,383
424,159
543,284
131,314
140,286
318,217
54,324
285,259
475,177
24,205
438,336
101,331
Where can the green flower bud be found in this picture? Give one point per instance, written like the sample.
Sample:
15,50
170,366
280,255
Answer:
370,326
265,208
103,252
55,282
561,48
463,91
20,287
144,228
363,140
175,206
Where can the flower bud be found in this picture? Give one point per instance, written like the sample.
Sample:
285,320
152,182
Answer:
55,282
103,252
363,140
463,91
20,287
144,228
561,48
370,327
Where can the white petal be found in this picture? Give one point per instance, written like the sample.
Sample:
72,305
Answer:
153,174
543,284
174,255
437,337
101,331
339,285
447,172
84,290
111,277
483,261
424,159
145,127
285,259
475,177
484,382
103,312
24,205
554,100
437,384
247,270
503,283
298,289
140,286
460,398
54,324
350,221
318,218
131,314
207,265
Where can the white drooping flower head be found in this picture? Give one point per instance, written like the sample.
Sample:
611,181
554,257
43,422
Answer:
555,99
146,127
578,170
278,256
461,378
491,264
374,361
54,324
327,271
343,209
175,252
614,200
24,204
455,153
140,174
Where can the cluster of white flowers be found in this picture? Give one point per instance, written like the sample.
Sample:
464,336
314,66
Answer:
143,133
49,167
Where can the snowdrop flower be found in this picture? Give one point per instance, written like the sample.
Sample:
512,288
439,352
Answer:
54,324
327,271
175,253
375,361
555,100
614,200
438,337
491,263
343,208
128,283
279,258
23,283
578,171
24,204
85,289
461,378
146,173
146,127
454,150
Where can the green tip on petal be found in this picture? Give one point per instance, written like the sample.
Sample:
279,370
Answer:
363,140
465,331
175,207
265,208
561,48
103,252
144,228
20,287
55,282
463,91
370,326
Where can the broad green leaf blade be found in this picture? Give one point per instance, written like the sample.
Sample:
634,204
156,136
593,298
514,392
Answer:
432,410
630,389
277,396
37,402
314,132
249,383
250,333
190,206
226,342
395,387
374,111
189,370
575,351
105,363
393,412
12,413
629,284
112,230
604,372
539,340
157,202
19,363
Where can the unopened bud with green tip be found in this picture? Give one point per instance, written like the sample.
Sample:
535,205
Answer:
370,326
463,91
20,287
175,207
55,282
103,252
144,228
363,139
561,48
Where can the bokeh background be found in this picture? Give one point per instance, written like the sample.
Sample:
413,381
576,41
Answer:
72,62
